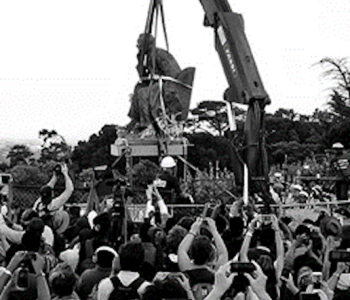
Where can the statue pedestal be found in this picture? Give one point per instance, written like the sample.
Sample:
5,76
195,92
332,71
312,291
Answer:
148,147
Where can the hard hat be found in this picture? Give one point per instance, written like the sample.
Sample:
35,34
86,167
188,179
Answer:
337,146
278,174
168,162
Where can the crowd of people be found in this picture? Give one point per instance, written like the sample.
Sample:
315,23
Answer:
51,252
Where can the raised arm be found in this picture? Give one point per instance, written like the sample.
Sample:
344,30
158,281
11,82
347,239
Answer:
219,244
243,253
279,248
41,282
63,198
184,261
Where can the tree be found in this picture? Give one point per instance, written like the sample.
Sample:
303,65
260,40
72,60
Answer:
337,70
18,155
54,146
96,151
211,117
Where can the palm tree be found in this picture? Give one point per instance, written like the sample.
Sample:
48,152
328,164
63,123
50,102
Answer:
338,71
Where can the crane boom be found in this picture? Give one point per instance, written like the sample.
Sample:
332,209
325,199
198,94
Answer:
235,54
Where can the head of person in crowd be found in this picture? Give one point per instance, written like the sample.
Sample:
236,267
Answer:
168,164
165,286
27,215
131,256
186,222
102,228
266,264
104,256
157,236
46,194
174,238
266,237
304,278
202,250
32,240
302,197
236,226
295,189
62,280
338,148
222,223
70,257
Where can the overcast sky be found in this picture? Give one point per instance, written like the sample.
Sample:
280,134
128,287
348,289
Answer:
70,65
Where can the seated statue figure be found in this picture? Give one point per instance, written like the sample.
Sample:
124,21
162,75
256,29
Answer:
146,106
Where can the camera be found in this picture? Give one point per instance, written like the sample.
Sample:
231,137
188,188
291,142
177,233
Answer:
57,169
242,267
339,256
316,279
22,280
285,273
266,219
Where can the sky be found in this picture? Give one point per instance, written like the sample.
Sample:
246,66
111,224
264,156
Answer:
70,65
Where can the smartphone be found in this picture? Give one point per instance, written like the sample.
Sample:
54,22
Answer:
266,219
309,296
242,267
285,273
22,281
316,279
58,169
339,256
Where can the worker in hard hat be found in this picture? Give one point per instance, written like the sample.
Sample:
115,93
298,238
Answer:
168,184
340,164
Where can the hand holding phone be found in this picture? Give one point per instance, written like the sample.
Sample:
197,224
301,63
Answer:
317,279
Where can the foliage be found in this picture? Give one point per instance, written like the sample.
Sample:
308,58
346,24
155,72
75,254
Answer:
29,175
144,173
96,151
54,146
211,117
19,154
206,149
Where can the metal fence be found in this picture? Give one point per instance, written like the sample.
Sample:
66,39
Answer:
201,189
25,196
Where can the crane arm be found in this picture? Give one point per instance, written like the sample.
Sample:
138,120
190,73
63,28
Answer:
235,54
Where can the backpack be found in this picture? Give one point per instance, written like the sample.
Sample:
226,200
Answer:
201,290
121,292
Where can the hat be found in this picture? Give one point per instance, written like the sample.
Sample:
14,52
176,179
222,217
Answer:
61,221
330,226
168,162
71,257
337,146
45,191
108,249
278,174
